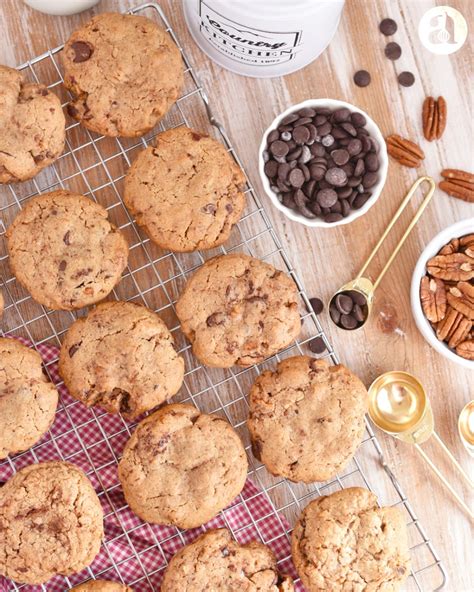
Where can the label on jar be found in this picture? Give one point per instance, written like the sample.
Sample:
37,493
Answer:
245,44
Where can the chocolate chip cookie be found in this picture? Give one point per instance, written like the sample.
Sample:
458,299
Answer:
124,71
33,127
101,586
344,541
186,192
51,522
64,250
182,467
238,310
306,418
122,358
215,562
28,400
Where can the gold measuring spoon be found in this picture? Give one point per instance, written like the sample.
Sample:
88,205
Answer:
351,305
399,406
466,427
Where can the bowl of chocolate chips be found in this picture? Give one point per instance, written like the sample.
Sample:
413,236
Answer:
323,162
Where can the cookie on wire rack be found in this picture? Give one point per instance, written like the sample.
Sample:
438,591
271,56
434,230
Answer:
216,562
181,467
186,191
125,73
32,127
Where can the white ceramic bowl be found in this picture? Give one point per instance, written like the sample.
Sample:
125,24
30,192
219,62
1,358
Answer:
376,190
434,246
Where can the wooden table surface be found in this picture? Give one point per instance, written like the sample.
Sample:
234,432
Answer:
325,259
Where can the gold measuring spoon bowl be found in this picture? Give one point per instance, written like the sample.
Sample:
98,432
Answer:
466,427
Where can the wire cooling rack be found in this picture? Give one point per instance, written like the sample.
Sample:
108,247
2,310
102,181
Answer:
94,166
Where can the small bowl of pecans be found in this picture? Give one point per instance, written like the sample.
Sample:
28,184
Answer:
442,293
323,162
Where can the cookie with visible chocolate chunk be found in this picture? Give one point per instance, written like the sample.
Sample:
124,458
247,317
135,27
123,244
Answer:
64,250
32,127
122,358
51,522
238,310
344,541
306,418
186,191
182,467
28,400
216,562
101,586
125,73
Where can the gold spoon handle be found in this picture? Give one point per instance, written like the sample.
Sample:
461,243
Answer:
398,213
453,460
445,482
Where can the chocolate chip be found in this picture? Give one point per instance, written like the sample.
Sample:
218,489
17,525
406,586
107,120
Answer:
344,303
362,78
285,136
327,141
336,177
67,238
214,319
317,171
307,112
279,148
82,51
73,112
326,198
296,178
340,156
273,136
334,313
406,79
317,305
369,180
388,27
333,217
342,114
348,322
62,265
358,313
73,349
209,208
317,345
360,200
229,208
372,162
289,119
358,119
358,297
271,168
393,51
283,171
359,168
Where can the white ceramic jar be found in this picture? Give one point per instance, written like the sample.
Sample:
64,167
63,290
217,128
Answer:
263,38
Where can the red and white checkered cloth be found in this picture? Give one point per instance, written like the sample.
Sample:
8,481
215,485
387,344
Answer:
133,551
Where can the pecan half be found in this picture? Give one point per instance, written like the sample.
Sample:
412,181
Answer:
433,299
466,349
404,151
434,116
461,298
457,266
460,333
458,184
447,327
451,247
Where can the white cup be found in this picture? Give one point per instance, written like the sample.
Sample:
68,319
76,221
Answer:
263,38
61,7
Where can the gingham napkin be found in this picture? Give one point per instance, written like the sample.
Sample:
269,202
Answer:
133,551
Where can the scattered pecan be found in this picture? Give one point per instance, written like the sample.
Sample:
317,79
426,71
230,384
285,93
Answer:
434,117
466,349
458,184
458,267
433,299
404,151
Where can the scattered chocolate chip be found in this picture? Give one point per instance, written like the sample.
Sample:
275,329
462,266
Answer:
317,345
406,79
393,51
82,51
362,78
317,305
388,27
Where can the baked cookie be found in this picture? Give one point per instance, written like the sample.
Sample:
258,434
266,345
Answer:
101,586
306,418
124,71
33,127
28,400
122,358
2,304
182,467
186,192
64,250
51,522
238,310
345,542
215,562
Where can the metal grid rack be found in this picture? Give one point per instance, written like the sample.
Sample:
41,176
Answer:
95,165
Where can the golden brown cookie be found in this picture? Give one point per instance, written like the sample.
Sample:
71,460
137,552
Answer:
32,127
51,522
182,467
344,541
186,192
238,310
216,563
124,71
306,418
28,400
64,250
101,586
122,358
